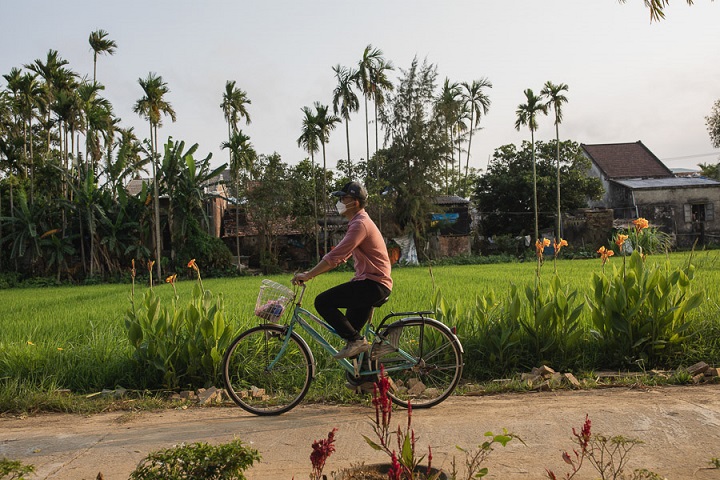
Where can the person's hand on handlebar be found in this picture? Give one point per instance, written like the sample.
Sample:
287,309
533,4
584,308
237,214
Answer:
301,278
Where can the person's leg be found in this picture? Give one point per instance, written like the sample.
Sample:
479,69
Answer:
358,298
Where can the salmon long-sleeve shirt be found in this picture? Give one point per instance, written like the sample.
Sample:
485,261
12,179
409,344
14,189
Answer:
365,243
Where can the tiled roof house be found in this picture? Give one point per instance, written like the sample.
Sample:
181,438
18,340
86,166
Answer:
638,184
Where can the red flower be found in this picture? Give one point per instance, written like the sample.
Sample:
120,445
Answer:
321,451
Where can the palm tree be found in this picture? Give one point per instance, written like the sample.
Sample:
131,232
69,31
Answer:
555,97
345,101
99,43
99,121
151,106
234,107
527,115
29,98
242,158
57,78
371,56
447,108
379,84
325,124
128,161
478,104
309,140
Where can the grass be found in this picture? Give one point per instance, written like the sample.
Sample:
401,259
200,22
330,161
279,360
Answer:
74,337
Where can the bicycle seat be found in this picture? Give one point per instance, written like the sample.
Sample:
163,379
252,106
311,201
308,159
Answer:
381,302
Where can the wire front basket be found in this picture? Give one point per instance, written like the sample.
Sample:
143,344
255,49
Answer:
272,300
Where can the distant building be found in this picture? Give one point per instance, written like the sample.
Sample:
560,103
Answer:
638,184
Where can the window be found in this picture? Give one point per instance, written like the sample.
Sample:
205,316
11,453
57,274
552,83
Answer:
699,212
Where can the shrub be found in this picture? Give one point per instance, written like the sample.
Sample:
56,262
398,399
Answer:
226,461
640,312
184,344
13,469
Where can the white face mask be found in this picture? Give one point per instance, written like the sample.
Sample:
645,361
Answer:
341,207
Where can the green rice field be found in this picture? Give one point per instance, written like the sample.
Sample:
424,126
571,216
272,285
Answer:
74,337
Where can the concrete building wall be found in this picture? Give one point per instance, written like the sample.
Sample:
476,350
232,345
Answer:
689,213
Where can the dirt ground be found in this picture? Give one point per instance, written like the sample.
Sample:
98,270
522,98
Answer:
680,428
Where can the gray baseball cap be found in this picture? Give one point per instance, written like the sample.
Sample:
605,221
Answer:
352,189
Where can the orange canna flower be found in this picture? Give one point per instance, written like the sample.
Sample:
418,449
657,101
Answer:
558,246
150,264
192,264
605,254
621,240
641,224
171,278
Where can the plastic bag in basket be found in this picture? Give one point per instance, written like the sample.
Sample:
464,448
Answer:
272,310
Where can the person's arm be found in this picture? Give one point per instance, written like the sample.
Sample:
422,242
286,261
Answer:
318,269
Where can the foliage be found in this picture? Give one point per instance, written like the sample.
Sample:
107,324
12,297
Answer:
198,460
504,194
405,462
412,165
321,451
551,321
183,344
640,312
13,469
608,456
641,236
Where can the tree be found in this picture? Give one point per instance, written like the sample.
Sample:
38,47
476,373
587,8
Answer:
657,8
269,207
713,124
503,194
372,81
326,123
345,101
100,44
478,104
555,98
29,98
151,107
309,140
419,146
448,108
527,115
243,156
234,106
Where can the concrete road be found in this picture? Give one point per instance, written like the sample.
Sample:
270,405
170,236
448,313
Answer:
680,428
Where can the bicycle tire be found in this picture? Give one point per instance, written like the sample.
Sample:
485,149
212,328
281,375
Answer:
256,386
436,365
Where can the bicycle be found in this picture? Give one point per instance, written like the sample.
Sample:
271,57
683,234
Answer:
268,369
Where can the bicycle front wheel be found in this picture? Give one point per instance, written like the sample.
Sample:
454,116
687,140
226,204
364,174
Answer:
266,372
426,364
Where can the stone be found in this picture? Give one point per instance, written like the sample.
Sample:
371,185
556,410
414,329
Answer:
556,377
211,395
545,370
700,377
699,367
570,378
712,372
417,388
258,392
188,395
530,378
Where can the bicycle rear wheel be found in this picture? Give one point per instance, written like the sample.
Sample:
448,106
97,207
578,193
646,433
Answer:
426,365
262,378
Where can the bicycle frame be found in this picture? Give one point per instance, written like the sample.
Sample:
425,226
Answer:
299,316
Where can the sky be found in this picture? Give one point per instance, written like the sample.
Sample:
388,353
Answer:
629,79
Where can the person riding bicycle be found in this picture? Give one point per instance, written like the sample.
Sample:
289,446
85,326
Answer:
372,281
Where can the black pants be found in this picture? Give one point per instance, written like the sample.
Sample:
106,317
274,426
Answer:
357,298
